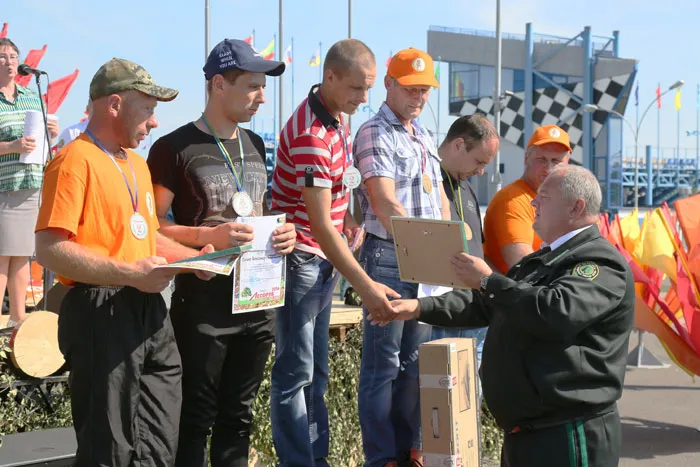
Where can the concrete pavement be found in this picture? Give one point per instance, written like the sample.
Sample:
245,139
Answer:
660,411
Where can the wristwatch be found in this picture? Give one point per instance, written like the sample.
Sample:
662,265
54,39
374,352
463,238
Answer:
483,282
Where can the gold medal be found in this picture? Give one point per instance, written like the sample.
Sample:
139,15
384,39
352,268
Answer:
467,232
427,184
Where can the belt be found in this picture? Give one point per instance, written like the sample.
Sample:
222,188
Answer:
377,237
594,412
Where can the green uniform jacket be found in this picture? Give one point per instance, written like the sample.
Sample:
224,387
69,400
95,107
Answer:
559,326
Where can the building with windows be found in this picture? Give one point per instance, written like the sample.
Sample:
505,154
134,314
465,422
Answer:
551,80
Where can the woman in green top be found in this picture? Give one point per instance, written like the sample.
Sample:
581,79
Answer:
20,183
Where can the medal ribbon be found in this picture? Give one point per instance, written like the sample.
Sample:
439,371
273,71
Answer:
456,195
227,156
133,195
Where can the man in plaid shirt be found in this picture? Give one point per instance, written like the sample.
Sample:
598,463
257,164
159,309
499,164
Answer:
400,168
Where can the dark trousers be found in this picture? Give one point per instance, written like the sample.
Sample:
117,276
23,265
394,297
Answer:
588,443
125,376
223,359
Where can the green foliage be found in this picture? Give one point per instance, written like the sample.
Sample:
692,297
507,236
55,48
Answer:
19,412
21,408
246,292
345,435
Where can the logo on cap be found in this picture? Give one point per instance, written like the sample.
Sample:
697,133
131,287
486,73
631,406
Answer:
418,64
554,133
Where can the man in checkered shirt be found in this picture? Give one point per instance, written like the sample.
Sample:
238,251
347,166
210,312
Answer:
400,170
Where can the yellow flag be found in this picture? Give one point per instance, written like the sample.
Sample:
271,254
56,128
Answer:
655,246
678,99
629,226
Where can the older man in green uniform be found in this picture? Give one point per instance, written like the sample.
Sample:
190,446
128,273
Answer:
554,358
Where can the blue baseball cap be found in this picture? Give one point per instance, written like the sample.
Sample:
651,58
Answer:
236,54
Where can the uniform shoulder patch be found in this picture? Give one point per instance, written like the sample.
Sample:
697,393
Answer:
587,270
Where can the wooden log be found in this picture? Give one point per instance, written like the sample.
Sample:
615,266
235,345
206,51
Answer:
34,345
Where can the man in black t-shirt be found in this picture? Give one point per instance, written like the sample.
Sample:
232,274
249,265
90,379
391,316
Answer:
470,145
209,172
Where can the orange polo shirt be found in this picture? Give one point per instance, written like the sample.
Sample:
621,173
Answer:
509,219
85,194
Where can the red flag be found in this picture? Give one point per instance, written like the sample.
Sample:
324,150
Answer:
688,212
658,96
249,40
32,59
604,225
3,33
58,90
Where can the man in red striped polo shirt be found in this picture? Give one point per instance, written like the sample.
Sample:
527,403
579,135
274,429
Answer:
311,185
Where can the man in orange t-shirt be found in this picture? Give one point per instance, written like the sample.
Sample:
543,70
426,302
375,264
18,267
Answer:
510,214
98,230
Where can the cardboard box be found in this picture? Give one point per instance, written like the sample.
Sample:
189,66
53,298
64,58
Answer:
449,406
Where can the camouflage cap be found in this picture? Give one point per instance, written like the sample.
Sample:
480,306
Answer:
119,75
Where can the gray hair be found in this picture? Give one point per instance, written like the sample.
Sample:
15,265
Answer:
579,183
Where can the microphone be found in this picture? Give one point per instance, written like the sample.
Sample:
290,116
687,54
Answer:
26,70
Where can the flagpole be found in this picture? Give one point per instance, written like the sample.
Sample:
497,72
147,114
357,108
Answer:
320,65
280,49
274,110
658,138
252,123
292,50
697,134
437,130
206,40
678,147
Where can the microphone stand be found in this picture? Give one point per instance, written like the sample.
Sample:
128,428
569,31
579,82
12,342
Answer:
48,275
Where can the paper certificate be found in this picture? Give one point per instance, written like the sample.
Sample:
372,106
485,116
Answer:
223,265
34,126
258,282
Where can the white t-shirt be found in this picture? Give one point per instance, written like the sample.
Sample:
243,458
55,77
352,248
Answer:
71,132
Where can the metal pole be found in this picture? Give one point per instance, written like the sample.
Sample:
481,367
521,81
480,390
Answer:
497,96
678,149
350,116
437,129
658,140
320,65
206,40
280,51
636,172
293,60
697,134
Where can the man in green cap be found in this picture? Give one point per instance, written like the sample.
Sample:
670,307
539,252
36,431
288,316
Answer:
98,231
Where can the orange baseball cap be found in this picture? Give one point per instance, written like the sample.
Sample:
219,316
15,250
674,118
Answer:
413,67
550,134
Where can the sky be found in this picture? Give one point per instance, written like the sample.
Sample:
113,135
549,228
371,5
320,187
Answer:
167,38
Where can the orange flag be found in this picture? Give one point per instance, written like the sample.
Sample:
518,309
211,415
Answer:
688,211
57,92
604,225
3,33
32,59
681,352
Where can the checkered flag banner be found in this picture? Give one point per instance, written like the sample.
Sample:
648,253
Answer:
550,105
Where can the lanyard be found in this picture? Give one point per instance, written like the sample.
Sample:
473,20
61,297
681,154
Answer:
227,156
348,155
133,195
456,196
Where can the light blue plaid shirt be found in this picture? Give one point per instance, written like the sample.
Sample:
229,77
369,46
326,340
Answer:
383,147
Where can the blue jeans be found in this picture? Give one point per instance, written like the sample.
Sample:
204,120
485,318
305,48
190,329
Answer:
300,373
389,396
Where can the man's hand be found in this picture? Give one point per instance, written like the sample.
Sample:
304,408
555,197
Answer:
205,275
353,232
229,234
52,125
470,269
148,279
284,238
403,310
374,298
24,145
